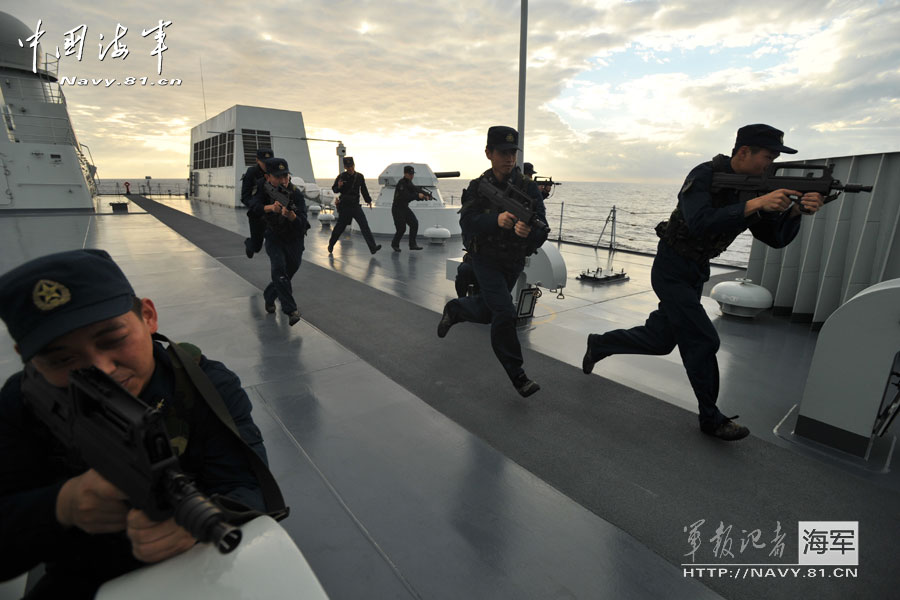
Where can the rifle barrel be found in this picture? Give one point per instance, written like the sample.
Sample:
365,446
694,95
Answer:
854,188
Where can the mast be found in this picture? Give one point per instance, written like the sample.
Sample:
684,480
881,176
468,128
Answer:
523,39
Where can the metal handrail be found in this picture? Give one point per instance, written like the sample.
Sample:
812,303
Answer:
610,218
49,92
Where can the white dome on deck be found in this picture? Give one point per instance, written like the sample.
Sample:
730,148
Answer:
13,56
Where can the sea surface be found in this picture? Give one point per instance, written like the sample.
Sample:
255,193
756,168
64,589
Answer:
576,211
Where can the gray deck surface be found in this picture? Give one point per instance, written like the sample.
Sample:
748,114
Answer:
413,468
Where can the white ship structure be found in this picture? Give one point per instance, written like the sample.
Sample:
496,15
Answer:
42,165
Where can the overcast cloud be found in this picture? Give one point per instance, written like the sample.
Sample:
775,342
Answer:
617,91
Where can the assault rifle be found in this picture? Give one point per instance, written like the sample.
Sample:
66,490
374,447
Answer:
770,181
428,195
512,199
545,185
125,440
281,195
545,181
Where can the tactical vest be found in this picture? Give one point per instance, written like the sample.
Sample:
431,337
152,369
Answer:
257,175
351,190
501,244
405,192
191,387
281,225
700,248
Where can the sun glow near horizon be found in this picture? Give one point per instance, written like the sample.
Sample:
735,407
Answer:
616,90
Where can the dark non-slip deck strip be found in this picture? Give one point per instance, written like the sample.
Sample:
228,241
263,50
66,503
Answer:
636,461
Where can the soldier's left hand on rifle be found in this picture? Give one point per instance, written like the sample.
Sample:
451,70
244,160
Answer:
506,220
522,229
810,203
153,541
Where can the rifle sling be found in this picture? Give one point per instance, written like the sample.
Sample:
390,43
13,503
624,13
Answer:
271,492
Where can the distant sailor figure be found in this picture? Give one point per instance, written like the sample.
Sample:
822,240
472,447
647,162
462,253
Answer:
251,181
405,192
350,184
282,208
544,186
498,244
700,228
74,310
528,171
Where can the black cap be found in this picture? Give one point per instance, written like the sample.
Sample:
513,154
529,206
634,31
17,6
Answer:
502,138
277,167
264,154
51,296
348,161
408,169
763,136
529,169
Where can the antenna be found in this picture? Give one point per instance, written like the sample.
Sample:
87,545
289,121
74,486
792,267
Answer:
203,90
523,67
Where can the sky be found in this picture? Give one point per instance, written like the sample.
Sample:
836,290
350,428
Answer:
627,91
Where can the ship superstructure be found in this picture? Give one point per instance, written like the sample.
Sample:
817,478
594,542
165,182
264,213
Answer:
42,164
223,146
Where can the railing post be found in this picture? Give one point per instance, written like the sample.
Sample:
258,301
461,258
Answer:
562,207
612,237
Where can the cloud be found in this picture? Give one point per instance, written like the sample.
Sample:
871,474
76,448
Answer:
410,81
828,79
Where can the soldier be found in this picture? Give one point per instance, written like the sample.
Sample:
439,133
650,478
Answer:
544,186
73,310
283,210
498,244
251,181
405,192
528,171
701,227
350,185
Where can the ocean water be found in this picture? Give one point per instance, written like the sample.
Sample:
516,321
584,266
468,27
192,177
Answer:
576,211
139,185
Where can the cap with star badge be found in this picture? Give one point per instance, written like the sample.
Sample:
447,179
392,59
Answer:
51,296
502,138
277,167
763,136
264,154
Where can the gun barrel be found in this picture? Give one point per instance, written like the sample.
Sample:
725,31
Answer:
196,513
125,440
855,188
446,174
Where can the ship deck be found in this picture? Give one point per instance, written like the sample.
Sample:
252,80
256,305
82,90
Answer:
413,468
